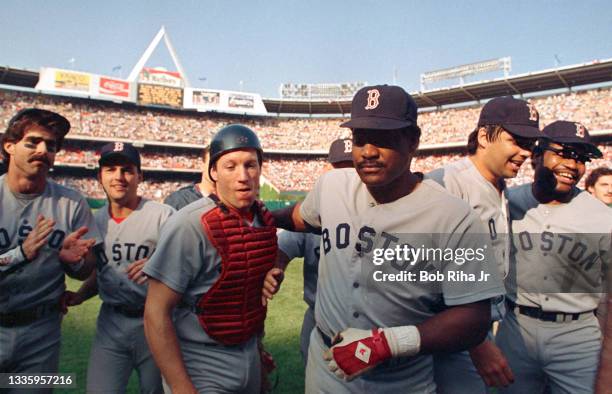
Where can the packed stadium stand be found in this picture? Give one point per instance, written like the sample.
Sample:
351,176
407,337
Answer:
171,140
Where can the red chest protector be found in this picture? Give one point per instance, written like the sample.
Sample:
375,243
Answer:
231,311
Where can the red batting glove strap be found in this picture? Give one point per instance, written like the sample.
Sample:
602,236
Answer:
362,354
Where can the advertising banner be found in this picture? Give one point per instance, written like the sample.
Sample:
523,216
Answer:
71,80
155,76
64,81
113,87
224,101
160,95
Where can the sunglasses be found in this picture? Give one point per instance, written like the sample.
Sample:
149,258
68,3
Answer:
569,153
525,143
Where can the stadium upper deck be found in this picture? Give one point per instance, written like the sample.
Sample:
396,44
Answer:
568,77
171,139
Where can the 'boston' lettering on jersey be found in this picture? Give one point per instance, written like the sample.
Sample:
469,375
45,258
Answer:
366,244
124,252
561,244
56,238
366,236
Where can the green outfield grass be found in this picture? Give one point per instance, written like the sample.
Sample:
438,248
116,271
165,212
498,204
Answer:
282,335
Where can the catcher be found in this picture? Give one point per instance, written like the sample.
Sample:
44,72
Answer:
208,273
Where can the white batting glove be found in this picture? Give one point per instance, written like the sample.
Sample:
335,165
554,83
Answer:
361,350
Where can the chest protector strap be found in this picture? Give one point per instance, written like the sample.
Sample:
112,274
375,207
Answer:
231,311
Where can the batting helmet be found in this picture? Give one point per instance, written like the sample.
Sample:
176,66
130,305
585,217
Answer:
230,138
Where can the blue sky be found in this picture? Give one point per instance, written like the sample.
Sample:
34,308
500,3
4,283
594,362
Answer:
265,43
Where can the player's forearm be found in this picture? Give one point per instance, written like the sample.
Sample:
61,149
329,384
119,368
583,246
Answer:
12,258
89,288
289,218
455,329
86,268
604,374
161,336
602,312
282,260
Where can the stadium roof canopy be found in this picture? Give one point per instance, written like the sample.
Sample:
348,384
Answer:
557,78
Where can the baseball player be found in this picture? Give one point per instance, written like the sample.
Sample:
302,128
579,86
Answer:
292,245
561,247
209,269
599,184
604,373
506,133
372,334
188,194
46,231
131,226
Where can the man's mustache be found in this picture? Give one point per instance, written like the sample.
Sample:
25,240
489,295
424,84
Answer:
41,159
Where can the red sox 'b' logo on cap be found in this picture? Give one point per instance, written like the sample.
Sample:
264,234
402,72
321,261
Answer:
533,112
579,130
118,147
348,146
373,96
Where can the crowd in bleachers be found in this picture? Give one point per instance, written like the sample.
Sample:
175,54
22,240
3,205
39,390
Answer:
90,187
99,119
292,174
72,155
295,174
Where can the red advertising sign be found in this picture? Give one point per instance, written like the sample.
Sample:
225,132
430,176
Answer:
114,87
161,77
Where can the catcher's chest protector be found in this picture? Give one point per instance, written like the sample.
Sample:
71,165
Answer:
231,311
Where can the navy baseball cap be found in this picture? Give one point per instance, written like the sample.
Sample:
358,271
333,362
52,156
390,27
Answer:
564,132
340,150
119,149
382,107
518,117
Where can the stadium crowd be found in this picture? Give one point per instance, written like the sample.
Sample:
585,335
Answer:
91,188
100,119
285,173
150,160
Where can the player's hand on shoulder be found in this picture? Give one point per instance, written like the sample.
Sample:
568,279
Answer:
74,248
271,284
134,271
492,365
356,352
38,237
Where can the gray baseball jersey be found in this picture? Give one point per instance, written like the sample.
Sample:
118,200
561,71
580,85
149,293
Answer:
35,347
133,239
559,254
455,372
42,280
560,251
304,245
183,196
354,226
120,346
187,262
462,179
